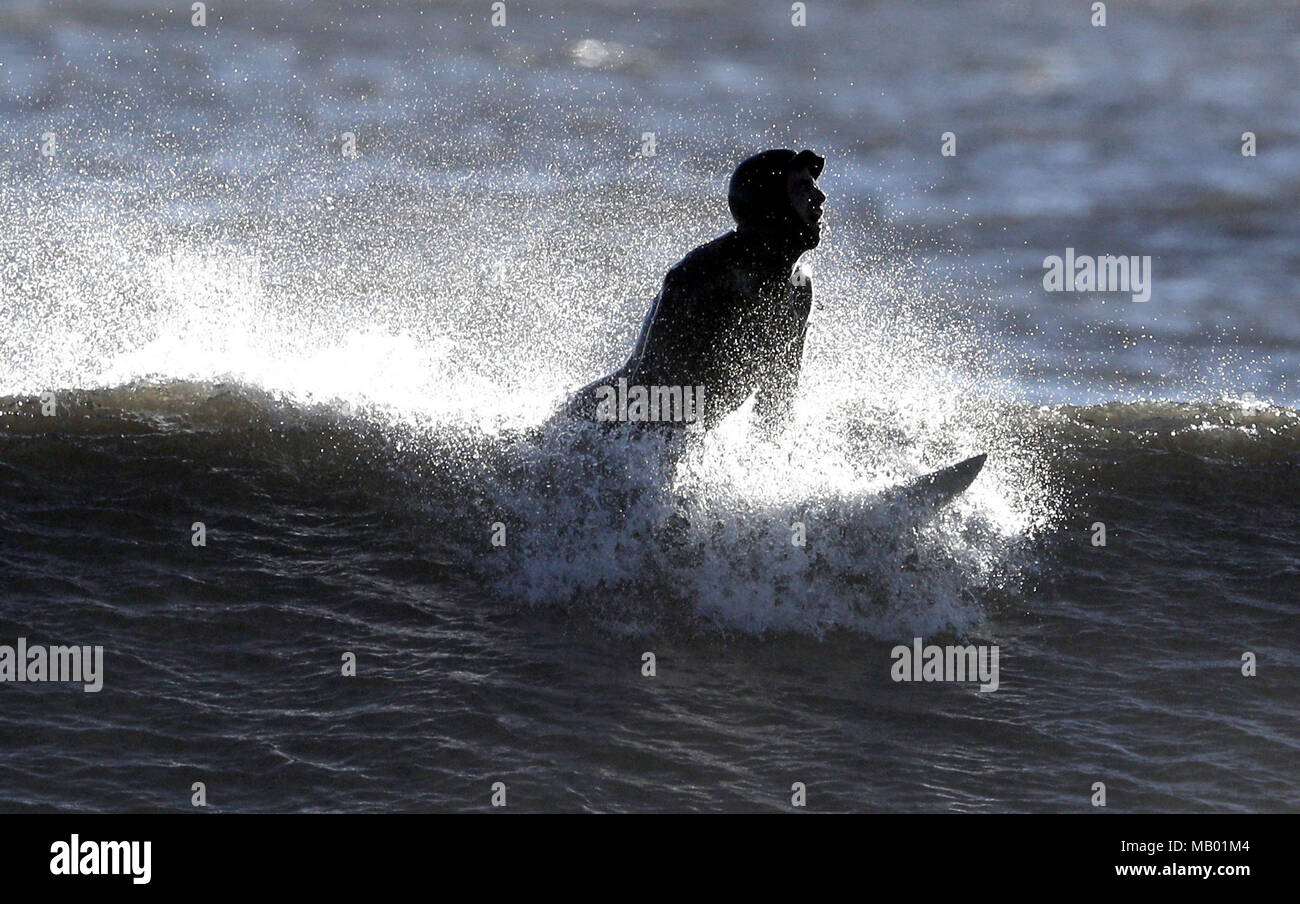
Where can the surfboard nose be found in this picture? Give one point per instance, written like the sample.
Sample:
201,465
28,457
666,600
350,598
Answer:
940,487
967,469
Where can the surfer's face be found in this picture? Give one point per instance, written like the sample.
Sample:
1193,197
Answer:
805,197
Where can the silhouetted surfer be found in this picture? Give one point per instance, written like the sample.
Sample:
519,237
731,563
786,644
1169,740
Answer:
730,319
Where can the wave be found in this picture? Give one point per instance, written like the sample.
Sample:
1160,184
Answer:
733,536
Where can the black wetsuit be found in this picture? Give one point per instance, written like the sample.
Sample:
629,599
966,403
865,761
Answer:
730,317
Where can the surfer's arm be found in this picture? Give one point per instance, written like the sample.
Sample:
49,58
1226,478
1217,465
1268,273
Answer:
774,396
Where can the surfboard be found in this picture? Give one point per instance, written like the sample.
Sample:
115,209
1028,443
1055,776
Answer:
931,492
920,498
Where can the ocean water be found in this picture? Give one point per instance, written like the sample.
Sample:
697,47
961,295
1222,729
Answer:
338,363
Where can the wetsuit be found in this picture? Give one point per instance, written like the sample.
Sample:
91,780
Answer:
731,315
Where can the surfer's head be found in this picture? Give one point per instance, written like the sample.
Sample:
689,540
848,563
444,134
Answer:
776,192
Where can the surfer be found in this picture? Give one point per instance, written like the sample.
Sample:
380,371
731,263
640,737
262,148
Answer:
730,320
